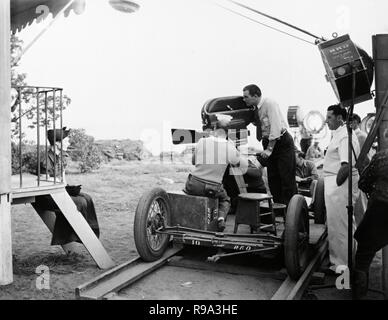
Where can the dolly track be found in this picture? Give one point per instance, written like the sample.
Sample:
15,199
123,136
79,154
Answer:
108,284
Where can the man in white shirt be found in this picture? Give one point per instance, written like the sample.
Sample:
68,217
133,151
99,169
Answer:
213,154
278,144
335,171
361,135
314,152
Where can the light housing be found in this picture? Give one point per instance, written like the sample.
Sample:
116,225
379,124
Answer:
124,6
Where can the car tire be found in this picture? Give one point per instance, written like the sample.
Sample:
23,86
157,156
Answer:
152,213
296,238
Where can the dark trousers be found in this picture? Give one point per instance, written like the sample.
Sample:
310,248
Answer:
199,187
371,234
281,169
305,144
231,188
63,232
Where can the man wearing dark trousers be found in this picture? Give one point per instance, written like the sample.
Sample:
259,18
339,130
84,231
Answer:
278,144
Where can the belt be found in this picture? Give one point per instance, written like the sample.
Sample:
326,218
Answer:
204,180
281,134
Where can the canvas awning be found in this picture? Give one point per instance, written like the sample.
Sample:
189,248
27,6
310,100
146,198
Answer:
25,12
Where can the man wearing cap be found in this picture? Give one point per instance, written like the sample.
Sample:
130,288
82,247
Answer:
212,156
278,144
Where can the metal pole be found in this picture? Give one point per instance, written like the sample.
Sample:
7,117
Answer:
6,273
55,138
20,140
45,130
350,183
37,136
61,126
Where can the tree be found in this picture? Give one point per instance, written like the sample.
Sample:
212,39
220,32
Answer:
83,149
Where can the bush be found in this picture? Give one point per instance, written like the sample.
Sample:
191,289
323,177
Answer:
29,158
83,150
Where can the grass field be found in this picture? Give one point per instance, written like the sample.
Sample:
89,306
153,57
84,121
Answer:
116,189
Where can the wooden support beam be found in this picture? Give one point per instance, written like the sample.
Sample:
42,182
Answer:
6,274
48,217
83,230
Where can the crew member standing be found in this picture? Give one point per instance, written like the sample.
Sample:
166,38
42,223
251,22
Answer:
336,171
278,144
305,139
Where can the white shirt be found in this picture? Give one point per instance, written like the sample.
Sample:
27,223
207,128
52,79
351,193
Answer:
337,152
212,156
271,119
361,136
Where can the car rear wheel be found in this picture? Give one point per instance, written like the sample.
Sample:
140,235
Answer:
152,215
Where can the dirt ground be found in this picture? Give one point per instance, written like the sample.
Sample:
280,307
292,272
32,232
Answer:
116,189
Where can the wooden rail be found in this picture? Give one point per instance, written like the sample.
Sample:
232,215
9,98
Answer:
293,290
120,277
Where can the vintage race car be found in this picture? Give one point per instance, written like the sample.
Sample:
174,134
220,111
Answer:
258,225
162,217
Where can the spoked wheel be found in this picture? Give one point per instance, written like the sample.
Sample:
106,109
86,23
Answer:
152,214
319,203
296,241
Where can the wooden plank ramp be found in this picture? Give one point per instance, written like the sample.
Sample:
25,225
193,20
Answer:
121,276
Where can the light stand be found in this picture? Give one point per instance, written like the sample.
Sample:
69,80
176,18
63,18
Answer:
350,182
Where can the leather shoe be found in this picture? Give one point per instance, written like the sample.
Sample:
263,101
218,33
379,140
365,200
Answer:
221,225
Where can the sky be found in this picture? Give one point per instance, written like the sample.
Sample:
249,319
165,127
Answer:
135,76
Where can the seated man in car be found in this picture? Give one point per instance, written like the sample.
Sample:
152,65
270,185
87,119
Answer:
212,156
306,171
